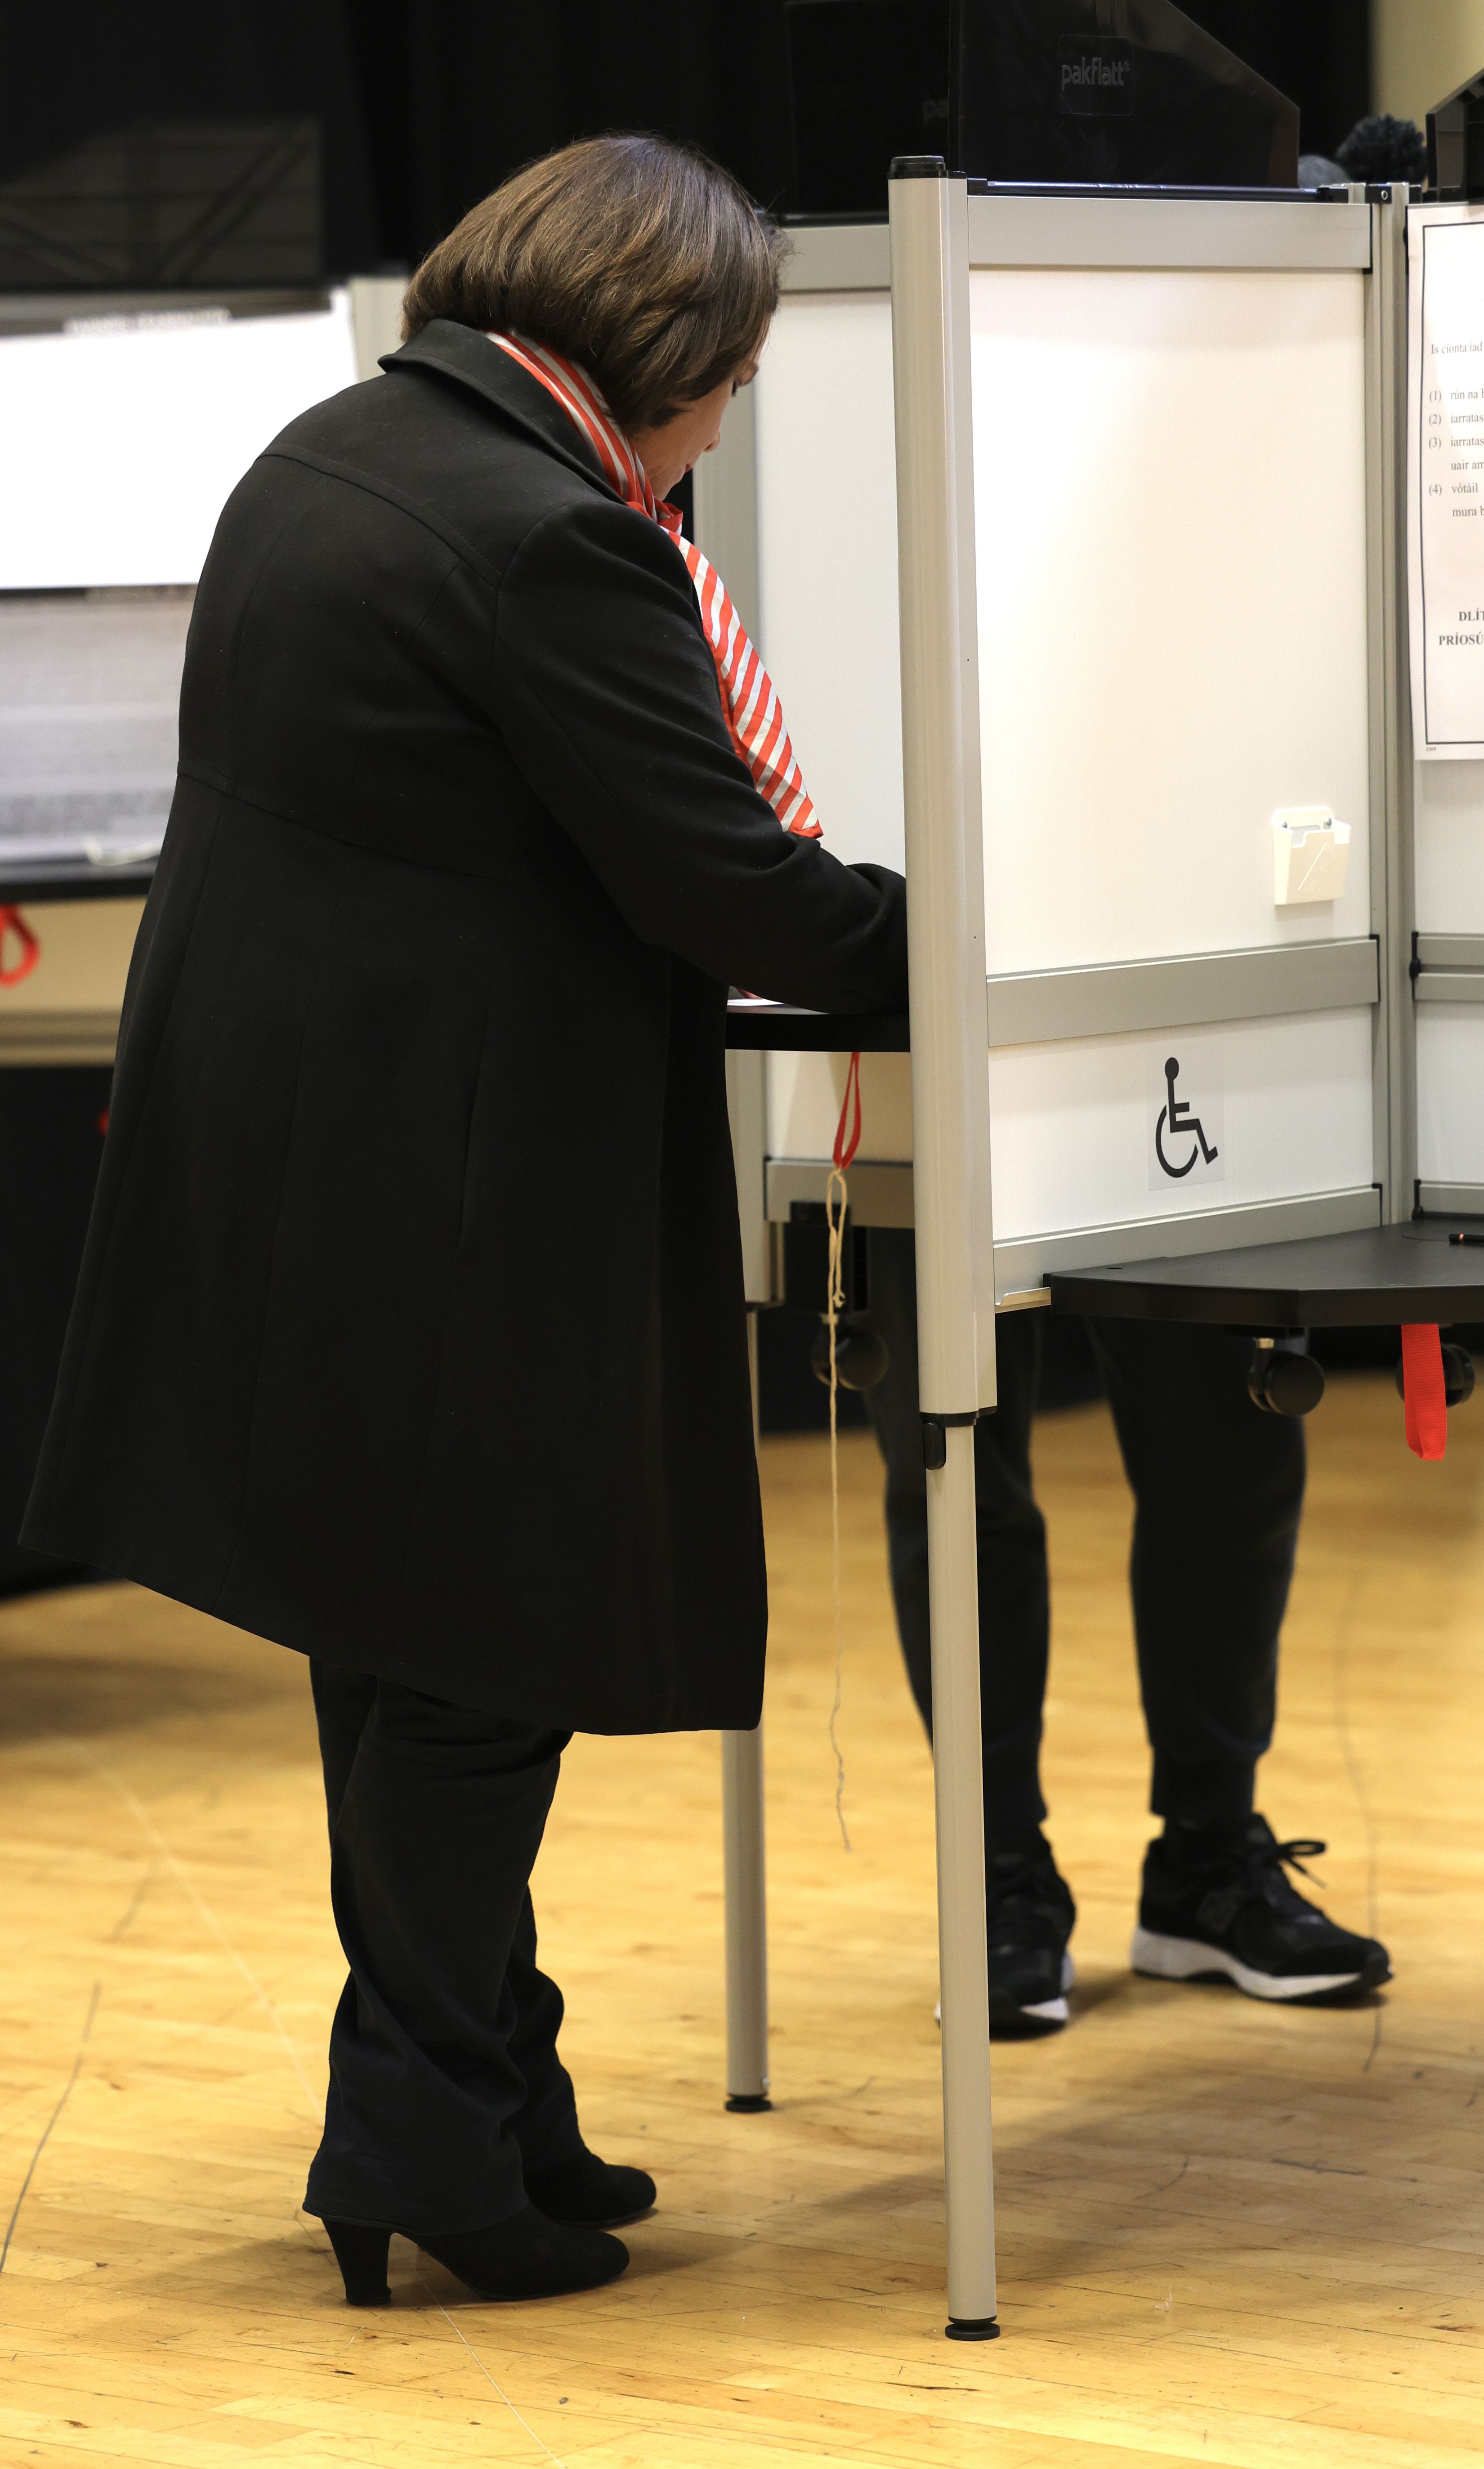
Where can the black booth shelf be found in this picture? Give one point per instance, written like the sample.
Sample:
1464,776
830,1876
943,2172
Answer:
1431,1270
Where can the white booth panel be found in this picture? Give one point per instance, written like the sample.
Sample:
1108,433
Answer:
122,440
805,1093
827,550
1170,482
1450,847
1450,1088
1285,1105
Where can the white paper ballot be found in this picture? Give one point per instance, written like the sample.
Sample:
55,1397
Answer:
1445,478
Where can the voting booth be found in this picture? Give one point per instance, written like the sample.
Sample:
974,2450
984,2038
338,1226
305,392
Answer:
125,423
1080,542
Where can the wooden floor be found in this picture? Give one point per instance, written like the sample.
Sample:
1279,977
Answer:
1227,2235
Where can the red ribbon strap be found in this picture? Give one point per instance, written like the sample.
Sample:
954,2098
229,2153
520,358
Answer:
1423,1391
845,1147
11,922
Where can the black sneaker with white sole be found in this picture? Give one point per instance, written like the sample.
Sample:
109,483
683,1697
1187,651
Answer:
1031,1914
1224,1910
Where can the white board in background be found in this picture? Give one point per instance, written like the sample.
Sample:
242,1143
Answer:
1451,1092
89,703
826,547
1170,482
1444,457
118,448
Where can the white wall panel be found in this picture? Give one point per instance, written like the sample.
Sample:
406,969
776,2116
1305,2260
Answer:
1169,474
120,448
1450,1085
826,495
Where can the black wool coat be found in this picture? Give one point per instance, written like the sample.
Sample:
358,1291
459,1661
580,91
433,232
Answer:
410,1328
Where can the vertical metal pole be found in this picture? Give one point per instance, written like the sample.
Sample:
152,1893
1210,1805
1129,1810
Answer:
745,1888
930,328
747,1921
1389,294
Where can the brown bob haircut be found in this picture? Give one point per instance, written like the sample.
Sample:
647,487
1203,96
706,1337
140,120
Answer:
640,259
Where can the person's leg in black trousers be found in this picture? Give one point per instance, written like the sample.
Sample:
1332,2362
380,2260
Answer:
450,2112
545,2126
1030,1911
1219,1493
1219,1489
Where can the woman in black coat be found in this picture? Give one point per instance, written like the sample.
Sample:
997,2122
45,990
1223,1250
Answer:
411,1329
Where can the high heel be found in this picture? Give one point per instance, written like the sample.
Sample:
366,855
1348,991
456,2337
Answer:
526,2256
360,2251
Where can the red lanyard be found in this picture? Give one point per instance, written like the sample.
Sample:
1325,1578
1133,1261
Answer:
845,1146
11,922
1426,1390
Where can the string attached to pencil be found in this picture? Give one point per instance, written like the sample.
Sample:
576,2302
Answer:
847,1140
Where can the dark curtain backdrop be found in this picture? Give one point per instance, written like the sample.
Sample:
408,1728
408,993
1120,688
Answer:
427,104
458,92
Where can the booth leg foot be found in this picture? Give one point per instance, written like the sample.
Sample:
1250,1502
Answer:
983,2328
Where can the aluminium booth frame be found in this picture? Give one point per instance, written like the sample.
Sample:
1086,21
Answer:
939,228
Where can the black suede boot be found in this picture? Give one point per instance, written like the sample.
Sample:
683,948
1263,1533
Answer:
588,2193
527,2257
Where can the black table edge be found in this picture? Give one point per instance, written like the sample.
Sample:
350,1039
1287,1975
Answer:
1375,1276
23,887
787,1028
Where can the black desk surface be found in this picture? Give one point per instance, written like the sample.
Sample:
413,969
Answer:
26,883
1380,1277
784,1029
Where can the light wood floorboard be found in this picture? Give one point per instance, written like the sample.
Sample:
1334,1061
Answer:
1228,2235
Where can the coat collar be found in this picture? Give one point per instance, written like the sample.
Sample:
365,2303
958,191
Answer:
472,360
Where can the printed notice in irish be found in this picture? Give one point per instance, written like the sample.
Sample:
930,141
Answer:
1446,478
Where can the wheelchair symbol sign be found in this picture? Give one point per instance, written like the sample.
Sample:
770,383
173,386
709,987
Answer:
1187,1119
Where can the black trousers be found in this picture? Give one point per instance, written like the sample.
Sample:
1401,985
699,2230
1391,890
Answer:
1219,1489
444,2082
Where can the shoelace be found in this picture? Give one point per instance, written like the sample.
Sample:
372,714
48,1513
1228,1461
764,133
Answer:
1261,1868
1291,1854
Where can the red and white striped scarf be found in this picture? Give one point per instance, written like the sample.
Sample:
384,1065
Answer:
750,702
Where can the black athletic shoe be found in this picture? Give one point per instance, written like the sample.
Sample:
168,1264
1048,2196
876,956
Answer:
1031,1913
1228,1912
